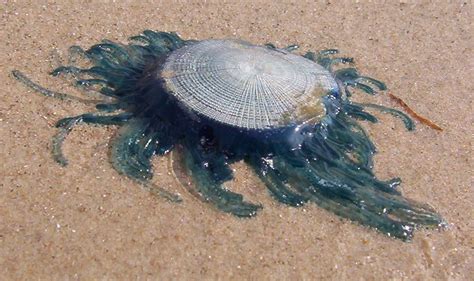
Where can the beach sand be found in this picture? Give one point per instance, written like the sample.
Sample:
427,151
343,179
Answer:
85,221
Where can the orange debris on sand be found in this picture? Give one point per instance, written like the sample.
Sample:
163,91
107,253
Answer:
413,114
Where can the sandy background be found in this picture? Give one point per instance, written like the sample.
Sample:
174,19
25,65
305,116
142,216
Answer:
87,222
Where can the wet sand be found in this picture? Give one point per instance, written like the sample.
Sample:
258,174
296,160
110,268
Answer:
87,222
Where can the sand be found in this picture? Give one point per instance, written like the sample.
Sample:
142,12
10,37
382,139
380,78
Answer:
87,222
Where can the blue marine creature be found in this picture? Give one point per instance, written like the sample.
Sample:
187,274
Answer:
289,117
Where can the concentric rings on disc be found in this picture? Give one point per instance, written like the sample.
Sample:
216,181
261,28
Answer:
246,86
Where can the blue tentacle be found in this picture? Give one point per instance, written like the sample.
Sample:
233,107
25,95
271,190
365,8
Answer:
209,171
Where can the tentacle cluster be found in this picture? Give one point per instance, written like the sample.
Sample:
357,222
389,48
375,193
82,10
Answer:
333,169
118,70
121,72
331,165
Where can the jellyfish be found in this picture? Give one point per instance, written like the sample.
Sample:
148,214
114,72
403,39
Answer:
288,116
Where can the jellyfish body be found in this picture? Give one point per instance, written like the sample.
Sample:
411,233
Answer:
289,117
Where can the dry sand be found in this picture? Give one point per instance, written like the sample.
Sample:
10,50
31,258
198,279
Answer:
87,222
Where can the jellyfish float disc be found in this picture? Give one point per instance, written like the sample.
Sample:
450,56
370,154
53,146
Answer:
246,86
